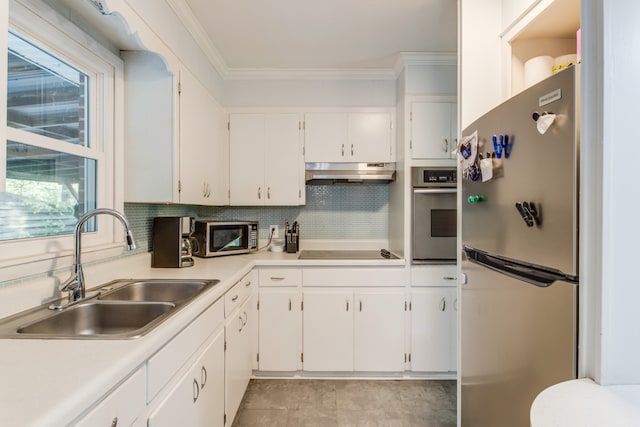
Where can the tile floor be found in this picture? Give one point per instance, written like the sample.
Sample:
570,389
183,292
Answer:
320,402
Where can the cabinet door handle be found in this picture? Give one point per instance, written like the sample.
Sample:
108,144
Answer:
347,305
289,304
450,278
360,306
114,422
203,377
246,285
455,304
204,189
196,390
241,323
246,318
443,304
276,278
352,150
342,150
268,192
259,193
234,299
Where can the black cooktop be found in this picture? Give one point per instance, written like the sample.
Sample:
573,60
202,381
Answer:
347,254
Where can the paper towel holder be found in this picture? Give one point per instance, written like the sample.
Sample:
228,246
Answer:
535,116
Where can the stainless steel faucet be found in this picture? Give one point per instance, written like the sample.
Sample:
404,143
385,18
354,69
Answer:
74,285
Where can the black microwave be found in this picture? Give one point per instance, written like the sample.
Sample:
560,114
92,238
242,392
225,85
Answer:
216,238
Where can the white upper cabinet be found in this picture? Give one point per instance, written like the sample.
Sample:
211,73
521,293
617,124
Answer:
433,129
151,150
247,159
352,137
370,137
326,137
176,146
266,163
204,156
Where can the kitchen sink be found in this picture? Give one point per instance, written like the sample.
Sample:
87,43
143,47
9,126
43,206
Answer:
123,309
175,291
100,318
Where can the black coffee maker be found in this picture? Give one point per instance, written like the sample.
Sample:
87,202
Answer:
172,242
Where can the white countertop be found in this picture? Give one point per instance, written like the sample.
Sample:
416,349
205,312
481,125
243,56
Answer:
583,403
50,382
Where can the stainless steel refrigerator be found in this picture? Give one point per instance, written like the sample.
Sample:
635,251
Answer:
519,291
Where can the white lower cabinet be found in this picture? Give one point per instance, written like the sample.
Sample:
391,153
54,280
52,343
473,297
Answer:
163,366
327,330
122,407
433,329
379,331
280,323
347,330
238,358
198,397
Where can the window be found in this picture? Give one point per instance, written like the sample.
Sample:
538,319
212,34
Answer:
46,189
60,139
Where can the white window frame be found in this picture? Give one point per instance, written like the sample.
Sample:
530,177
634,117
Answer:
39,24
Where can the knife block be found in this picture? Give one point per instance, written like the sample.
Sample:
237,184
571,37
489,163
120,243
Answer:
291,242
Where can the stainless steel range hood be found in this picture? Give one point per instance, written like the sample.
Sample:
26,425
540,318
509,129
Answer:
349,173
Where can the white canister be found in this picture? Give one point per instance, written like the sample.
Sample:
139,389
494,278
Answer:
537,69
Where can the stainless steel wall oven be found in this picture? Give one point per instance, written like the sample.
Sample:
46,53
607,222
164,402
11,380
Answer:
434,215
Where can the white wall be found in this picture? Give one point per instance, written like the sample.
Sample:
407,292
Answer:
300,93
431,79
397,189
479,59
611,290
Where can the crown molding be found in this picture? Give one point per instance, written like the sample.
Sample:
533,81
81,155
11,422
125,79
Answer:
186,16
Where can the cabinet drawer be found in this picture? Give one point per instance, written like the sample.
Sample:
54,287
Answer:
280,276
166,362
238,293
122,406
434,275
360,276
198,396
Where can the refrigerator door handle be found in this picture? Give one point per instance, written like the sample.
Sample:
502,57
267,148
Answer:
529,273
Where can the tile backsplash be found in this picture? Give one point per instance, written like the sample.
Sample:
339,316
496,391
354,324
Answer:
341,211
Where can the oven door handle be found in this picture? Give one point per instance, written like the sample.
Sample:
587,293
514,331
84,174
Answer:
434,191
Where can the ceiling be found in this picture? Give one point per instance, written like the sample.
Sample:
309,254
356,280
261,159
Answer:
321,35
297,37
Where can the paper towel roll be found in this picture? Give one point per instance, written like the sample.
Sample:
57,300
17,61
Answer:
536,69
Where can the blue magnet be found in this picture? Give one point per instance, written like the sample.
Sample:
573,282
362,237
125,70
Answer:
507,147
497,147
